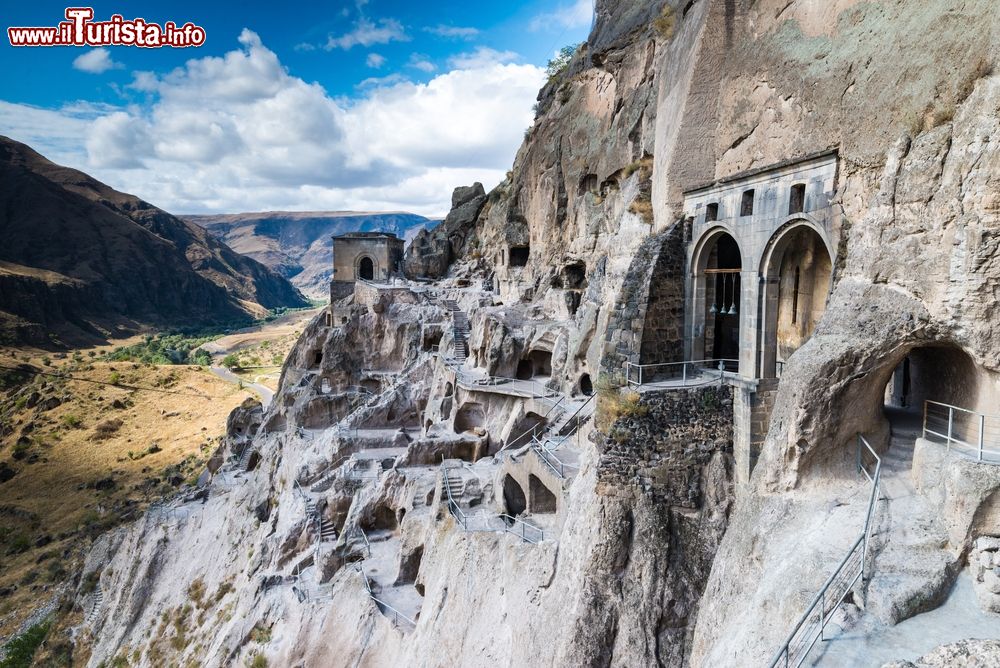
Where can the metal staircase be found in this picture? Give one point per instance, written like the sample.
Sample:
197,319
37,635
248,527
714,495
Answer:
459,328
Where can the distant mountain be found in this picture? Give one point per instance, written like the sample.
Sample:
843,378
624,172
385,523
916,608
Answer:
85,261
297,243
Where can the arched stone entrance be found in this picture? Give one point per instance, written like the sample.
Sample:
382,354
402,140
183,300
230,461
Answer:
796,269
366,268
515,502
717,303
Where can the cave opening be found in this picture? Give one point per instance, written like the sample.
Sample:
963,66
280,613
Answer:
586,385
470,417
514,500
519,256
523,430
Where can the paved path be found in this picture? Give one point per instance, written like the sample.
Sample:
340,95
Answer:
265,393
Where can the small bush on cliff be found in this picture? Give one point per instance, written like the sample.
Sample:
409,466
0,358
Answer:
108,428
561,61
666,22
21,650
613,404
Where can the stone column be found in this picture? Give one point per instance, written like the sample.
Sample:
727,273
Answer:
749,292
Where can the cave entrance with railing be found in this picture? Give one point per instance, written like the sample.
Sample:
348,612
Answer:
939,392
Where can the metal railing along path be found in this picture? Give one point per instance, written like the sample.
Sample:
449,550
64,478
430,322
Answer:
384,607
513,525
681,374
810,627
972,435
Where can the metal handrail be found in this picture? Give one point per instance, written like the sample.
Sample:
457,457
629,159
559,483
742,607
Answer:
453,506
953,435
510,520
463,519
641,368
397,615
810,628
558,468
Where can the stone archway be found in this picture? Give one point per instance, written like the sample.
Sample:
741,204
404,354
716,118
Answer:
515,502
366,268
717,306
797,268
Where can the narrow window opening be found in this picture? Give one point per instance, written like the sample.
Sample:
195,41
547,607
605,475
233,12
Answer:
746,205
797,198
795,298
712,212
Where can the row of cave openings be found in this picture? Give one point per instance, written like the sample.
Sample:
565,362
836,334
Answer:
471,417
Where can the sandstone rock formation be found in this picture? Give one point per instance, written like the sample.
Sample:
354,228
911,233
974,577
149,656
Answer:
432,251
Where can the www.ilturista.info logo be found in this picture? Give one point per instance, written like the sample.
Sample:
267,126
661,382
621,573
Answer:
81,30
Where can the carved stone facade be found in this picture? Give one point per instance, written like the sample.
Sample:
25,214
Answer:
369,256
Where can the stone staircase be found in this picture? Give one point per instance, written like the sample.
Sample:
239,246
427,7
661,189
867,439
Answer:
460,329
327,530
455,486
327,479
95,606
244,463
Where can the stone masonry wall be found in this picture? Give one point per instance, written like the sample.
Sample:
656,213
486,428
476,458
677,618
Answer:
663,330
652,296
664,453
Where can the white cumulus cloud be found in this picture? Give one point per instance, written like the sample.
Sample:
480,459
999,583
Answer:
239,133
453,32
375,61
367,33
95,61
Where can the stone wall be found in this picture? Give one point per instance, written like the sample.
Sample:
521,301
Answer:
647,322
665,452
663,329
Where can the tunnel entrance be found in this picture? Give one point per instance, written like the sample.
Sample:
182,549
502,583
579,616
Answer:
513,497
942,375
542,500
586,385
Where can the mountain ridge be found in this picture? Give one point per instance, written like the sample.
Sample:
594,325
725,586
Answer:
86,262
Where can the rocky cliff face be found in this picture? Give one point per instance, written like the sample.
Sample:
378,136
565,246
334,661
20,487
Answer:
655,557
83,260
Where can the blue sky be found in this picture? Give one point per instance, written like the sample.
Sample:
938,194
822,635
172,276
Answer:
373,104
